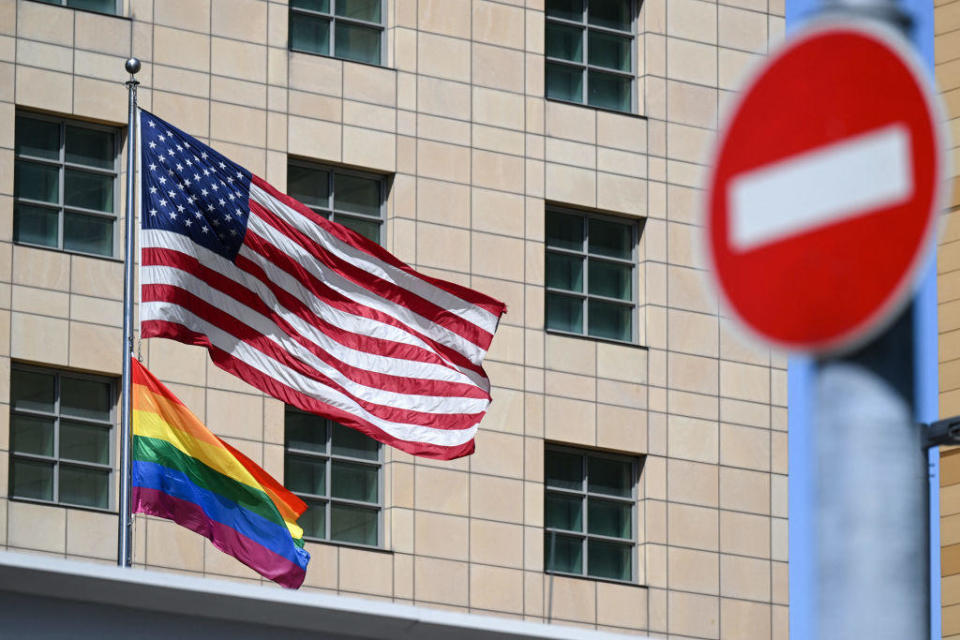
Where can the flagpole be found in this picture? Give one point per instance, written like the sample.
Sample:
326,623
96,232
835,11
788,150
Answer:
125,526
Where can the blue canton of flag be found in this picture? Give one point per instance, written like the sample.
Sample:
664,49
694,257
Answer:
189,188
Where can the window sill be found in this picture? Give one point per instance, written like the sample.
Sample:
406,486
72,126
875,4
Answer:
578,576
42,247
329,57
583,336
62,505
348,545
628,114
81,9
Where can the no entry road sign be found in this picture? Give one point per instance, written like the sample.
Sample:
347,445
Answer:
822,197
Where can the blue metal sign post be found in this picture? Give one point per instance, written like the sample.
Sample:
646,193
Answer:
813,461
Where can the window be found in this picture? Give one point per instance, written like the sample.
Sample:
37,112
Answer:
350,198
65,185
590,275
589,50
348,29
61,435
100,6
589,513
336,471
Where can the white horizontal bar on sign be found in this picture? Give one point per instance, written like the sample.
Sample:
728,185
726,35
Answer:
820,187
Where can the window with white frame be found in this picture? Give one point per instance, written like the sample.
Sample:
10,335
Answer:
337,472
351,198
590,52
590,513
591,274
65,185
348,29
61,437
100,6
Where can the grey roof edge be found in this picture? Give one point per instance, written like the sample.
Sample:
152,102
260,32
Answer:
138,588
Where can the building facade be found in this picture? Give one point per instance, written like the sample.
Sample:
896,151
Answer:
631,473
947,53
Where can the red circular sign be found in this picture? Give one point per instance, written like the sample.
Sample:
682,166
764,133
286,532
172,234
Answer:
823,193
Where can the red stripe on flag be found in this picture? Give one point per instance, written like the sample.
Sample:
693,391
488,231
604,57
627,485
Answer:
164,329
284,262
192,516
244,333
401,384
347,236
385,290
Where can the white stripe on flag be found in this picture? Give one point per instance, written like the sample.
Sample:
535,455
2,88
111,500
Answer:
354,291
825,186
269,367
372,265
271,331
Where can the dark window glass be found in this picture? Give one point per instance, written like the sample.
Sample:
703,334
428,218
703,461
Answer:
61,430
564,82
32,434
34,391
353,444
77,178
565,470
311,186
565,9
586,517
349,523
613,14
32,479
90,147
306,475
85,398
610,560
564,41
609,91
590,255
610,320
565,272
37,181
349,29
355,194
88,234
336,471
357,199
591,36
563,553
102,6
312,5
564,512
84,487
84,442
564,313
368,10
611,279
38,138
35,225
314,520
309,33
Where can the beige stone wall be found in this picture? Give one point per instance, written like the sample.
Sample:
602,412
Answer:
457,115
947,60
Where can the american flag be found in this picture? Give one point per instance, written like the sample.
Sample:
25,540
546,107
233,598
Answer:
304,309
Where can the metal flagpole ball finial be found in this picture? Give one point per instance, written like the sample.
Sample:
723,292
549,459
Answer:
132,66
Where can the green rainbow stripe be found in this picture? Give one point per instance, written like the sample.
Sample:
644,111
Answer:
183,472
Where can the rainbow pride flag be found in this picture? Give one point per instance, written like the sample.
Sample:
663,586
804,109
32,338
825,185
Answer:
183,472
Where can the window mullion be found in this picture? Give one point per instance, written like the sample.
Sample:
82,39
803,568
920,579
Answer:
328,482
333,28
56,438
61,213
